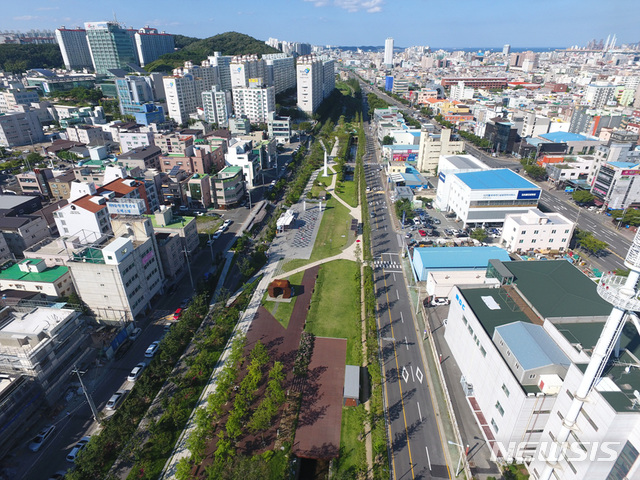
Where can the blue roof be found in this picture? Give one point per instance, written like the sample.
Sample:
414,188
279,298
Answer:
531,345
403,147
560,137
501,178
626,165
459,257
536,141
415,134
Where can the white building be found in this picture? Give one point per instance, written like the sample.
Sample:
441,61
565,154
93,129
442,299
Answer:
135,140
536,230
183,95
17,129
448,165
388,52
241,154
222,64
328,77
279,127
151,44
534,125
432,146
243,68
86,218
280,71
599,95
459,92
316,81
33,275
254,102
217,106
14,96
74,48
615,185
488,195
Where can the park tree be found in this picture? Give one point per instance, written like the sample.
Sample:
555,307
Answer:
479,234
582,196
589,243
536,172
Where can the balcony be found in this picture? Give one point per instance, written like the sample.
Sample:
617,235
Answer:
610,289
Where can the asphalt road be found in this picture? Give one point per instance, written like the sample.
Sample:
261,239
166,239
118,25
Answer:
417,448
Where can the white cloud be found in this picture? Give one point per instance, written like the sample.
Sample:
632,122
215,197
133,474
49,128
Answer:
44,9
26,18
370,6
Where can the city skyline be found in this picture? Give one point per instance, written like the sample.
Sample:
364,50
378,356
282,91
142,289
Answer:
353,22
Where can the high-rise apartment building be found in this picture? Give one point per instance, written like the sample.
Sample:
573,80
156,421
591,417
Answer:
183,96
254,102
217,106
74,48
223,63
316,80
506,50
246,67
388,52
150,44
111,46
280,71
133,92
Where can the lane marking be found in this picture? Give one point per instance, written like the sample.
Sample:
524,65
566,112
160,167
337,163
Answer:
419,374
429,459
406,342
397,294
405,374
419,412
401,317
412,377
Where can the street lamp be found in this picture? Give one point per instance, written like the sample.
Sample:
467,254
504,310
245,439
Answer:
94,411
458,470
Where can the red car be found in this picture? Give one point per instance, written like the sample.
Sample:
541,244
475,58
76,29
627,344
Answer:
422,233
177,314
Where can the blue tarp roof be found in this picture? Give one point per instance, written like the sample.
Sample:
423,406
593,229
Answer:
459,257
502,178
531,345
560,137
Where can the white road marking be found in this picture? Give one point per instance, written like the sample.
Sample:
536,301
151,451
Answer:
406,342
419,412
428,458
419,374
405,374
394,277
397,294
412,377
401,317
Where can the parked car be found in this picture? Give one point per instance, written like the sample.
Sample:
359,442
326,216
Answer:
407,235
439,301
436,221
177,314
135,333
422,233
136,372
41,438
77,449
115,400
152,349
216,235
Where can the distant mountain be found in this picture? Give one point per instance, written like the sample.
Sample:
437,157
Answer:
230,43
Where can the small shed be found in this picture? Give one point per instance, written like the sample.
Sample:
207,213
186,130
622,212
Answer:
280,287
351,395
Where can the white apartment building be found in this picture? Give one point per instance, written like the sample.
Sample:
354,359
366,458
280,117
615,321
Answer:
135,140
183,96
150,44
241,154
432,146
534,125
310,82
74,48
255,102
87,134
86,218
245,67
17,129
460,93
217,106
536,230
118,279
599,95
280,71
329,77
11,98
388,52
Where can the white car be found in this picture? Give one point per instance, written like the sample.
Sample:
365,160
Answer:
115,400
136,372
77,449
439,301
216,235
135,333
228,222
152,349
41,437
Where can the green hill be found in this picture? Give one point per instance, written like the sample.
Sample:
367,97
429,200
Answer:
20,58
230,43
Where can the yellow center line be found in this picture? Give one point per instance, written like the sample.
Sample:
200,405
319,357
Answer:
395,354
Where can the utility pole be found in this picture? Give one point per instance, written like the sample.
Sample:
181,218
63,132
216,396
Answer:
86,394
186,254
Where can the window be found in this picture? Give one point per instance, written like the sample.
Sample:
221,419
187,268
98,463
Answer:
500,409
535,232
483,351
563,240
505,390
569,394
532,376
524,232
566,231
517,366
553,231
624,462
494,425
588,418
542,412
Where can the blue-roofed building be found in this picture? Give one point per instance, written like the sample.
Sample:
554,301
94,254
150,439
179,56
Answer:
487,196
576,143
431,259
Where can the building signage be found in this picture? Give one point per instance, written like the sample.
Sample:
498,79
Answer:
441,176
460,302
630,172
147,257
528,194
129,206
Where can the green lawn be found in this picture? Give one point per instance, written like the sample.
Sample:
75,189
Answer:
208,224
353,457
347,192
335,306
333,236
282,310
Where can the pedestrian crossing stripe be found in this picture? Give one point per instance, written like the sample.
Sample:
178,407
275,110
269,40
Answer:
387,264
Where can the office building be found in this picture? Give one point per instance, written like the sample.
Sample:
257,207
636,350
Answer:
136,91
388,52
111,47
20,128
245,69
74,48
150,44
254,102
538,231
615,186
315,81
280,71
217,106
118,279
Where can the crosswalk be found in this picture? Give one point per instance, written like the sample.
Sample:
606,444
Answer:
387,265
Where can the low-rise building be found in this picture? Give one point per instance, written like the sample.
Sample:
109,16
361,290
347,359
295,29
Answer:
36,182
164,221
199,192
536,230
87,134
143,158
33,275
86,218
20,232
60,185
429,259
229,187
171,255
279,128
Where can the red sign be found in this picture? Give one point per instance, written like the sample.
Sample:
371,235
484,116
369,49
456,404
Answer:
630,172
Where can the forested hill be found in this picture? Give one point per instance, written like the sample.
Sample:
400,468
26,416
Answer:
229,43
20,58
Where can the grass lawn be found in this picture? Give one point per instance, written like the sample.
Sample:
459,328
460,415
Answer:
333,235
335,306
353,457
208,224
347,192
282,310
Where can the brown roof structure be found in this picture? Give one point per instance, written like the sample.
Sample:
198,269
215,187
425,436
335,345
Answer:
86,203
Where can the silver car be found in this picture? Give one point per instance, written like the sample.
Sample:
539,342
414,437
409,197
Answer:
41,437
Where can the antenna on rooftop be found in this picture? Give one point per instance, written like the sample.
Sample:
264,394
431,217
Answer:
622,294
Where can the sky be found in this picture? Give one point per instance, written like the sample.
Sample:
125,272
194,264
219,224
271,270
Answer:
437,23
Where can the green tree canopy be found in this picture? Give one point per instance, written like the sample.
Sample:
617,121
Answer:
19,58
387,140
589,243
582,196
536,172
479,234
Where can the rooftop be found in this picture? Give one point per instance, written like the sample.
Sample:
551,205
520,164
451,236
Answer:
480,299
7,202
459,257
625,165
178,221
556,288
35,321
560,137
502,178
531,345
464,162
50,275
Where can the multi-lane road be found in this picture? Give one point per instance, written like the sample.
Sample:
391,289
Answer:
417,444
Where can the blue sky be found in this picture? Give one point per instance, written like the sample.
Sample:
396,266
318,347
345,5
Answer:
438,23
